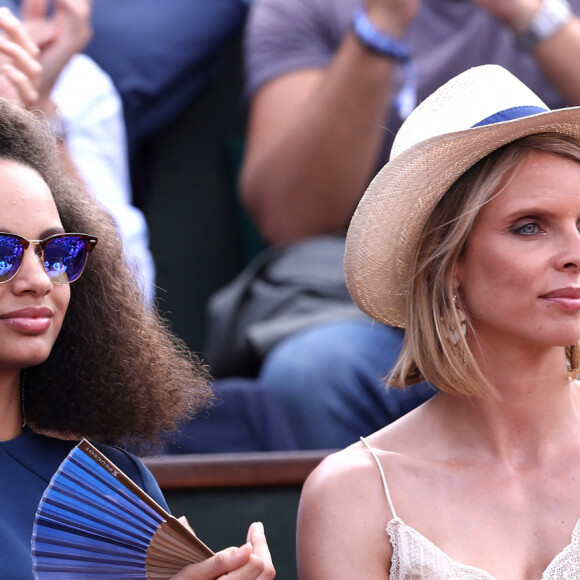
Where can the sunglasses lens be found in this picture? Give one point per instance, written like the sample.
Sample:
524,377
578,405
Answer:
65,258
11,250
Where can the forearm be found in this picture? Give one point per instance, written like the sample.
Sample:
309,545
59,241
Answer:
558,58
557,55
311,176
309,158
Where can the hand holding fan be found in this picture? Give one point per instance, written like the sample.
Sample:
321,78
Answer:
94,522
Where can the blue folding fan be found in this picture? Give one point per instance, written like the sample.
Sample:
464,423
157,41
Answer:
94,522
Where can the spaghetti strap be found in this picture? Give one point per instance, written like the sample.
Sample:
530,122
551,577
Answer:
383,478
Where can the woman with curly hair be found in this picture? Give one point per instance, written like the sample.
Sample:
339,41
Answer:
87,359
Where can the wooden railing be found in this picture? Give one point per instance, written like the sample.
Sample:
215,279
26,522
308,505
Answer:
234,469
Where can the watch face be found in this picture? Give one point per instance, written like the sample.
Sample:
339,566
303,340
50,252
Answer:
551,16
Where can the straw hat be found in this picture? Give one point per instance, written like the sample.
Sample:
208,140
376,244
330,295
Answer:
467,118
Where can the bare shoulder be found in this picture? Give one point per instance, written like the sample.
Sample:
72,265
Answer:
342,519
344,509
350,473
340,467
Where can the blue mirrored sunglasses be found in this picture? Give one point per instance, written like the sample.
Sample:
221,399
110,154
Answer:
64,256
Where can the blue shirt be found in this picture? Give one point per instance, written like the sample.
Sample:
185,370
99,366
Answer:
27,465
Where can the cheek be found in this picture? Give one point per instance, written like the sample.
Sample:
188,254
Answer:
61,297
495,278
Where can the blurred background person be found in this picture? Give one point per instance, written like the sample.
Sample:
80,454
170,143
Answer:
329,83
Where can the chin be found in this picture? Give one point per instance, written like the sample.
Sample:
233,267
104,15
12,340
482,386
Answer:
568,338
563,334
34,359
29,353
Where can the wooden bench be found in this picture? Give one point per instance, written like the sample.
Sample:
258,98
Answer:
221,494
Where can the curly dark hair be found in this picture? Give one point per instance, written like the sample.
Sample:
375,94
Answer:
116,373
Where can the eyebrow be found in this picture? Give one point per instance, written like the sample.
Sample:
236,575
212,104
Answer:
44,234
51,231
529,211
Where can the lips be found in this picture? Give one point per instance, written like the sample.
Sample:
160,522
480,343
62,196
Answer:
566,293
567,298
29,320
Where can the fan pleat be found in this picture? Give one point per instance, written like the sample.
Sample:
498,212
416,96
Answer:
93,522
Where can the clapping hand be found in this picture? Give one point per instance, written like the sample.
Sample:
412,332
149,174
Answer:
59,36
20,67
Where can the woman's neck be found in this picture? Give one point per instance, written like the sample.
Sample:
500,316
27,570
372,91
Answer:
517,369
530,419
536,404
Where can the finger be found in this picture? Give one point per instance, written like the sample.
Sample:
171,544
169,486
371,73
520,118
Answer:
257,537
20,57
22,61
72,21
256,532
254,569
33,9
8,90
17,33
78,10
27,93
183,520
222,563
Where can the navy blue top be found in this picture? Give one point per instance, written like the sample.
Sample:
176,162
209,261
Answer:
27,465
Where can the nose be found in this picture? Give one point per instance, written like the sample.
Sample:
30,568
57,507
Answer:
32,276
569,256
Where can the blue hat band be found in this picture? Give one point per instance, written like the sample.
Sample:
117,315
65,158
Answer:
510,115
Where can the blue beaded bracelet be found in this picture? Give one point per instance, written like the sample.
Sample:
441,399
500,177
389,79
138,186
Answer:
377,40
383,44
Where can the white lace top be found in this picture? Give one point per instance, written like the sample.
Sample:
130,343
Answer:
415,557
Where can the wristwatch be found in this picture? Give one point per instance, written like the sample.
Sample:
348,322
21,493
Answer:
551,16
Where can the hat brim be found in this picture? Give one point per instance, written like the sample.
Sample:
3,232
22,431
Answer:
386,226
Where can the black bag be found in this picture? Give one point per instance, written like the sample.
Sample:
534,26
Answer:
285,289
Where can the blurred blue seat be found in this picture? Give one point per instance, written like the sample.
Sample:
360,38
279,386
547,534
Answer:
244,418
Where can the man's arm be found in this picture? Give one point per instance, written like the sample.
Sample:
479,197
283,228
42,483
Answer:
314,135
557,56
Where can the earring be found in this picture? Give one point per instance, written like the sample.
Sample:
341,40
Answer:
462,323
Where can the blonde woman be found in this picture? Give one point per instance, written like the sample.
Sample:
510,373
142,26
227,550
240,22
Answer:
469,238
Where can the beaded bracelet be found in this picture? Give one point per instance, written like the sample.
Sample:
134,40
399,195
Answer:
377,40
381,43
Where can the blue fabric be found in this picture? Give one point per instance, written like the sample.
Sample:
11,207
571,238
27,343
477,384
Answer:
245,417
510,115
329,381
161,55
27,464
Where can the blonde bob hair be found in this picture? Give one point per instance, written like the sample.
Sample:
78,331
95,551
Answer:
435,348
